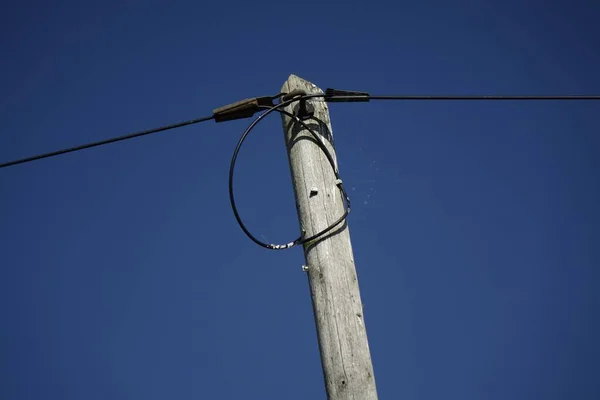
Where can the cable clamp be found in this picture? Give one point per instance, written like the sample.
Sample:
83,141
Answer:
242,109
304,110
338,96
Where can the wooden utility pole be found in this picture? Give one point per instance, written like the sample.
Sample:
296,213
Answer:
337,305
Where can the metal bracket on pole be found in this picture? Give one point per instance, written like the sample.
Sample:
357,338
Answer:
304,109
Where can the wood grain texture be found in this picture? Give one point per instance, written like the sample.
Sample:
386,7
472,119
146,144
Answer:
337,306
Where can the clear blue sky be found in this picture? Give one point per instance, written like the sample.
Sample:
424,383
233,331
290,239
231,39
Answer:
123,274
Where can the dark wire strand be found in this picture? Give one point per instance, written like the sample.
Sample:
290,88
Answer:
478,97
307,96
300,240
107,141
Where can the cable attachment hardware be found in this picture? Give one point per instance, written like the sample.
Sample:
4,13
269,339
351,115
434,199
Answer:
242,109
338,96
304,110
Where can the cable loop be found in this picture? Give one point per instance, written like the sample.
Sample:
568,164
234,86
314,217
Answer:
287,99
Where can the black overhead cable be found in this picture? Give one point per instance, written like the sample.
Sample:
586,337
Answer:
106,141
336,95
483,97
248,107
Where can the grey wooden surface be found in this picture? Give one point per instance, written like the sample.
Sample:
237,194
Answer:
345,354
